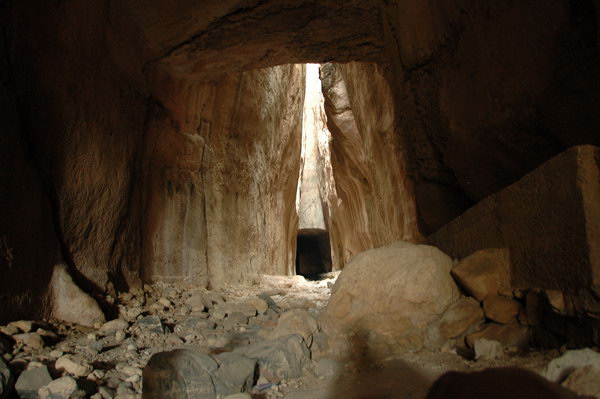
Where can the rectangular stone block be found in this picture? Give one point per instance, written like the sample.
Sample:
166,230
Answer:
550,222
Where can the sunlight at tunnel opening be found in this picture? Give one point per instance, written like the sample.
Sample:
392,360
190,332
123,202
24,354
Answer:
313,247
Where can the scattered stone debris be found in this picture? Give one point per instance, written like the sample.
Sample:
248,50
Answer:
260,341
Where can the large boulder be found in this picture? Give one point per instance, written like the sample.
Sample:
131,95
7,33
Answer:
190,373
71,303
179,373
285,357
386,297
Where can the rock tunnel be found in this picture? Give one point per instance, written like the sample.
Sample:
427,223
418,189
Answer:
151,141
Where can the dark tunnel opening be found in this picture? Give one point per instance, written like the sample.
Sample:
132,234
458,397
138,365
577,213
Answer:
313,253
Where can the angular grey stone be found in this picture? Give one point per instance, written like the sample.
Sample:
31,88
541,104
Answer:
235,373
180,373
151,323
30,381
6,379
284,357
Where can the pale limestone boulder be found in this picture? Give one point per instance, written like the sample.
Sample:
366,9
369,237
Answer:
460,316
499,309
386,297
485,272
70,303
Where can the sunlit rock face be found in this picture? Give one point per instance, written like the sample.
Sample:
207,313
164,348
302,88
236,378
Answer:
372,205
221,168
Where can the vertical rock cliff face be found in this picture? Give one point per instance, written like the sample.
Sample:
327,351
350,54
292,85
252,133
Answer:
72,125
374,204
221,171
487,91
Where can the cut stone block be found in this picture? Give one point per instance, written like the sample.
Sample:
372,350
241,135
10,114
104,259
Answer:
550,222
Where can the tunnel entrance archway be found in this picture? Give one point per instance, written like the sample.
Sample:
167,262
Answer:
313,253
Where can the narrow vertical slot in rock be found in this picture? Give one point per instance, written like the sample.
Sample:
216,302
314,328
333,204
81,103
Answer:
313,253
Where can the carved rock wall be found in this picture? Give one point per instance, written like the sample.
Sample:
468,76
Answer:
221,170
373,204
487,91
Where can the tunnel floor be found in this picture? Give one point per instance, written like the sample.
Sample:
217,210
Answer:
163,317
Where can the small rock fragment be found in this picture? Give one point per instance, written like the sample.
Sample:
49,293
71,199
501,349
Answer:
499,309
23,325
62,388
511,334
110,327
74,366
460,316
6,379
151,323
487,349
32,340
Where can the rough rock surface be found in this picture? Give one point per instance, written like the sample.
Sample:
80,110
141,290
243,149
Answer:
221,168
499,309
460,316
70,303
373,204
30,381
283,357
6,379
296,321
397,320
584,381
558,369
484,272
180,373
477,119
521,217
63,388
509,335
77,127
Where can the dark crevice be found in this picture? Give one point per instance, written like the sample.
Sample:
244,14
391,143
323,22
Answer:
313,253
